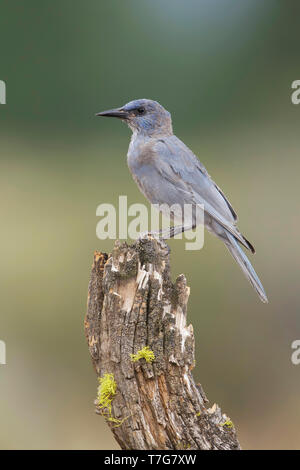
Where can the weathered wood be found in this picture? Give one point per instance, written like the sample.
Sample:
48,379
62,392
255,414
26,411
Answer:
132,303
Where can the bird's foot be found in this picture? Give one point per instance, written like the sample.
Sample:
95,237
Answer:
145,235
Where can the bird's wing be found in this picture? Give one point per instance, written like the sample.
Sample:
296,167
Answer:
177,164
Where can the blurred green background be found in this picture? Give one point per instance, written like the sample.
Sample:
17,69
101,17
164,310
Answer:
224,70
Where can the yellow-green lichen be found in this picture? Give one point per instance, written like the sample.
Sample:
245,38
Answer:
228,424
106,392
145,353
183,445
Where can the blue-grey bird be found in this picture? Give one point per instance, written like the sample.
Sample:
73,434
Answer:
167,172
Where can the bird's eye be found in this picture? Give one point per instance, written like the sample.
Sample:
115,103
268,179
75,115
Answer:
141,111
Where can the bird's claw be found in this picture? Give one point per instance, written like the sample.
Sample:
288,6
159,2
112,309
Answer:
145,235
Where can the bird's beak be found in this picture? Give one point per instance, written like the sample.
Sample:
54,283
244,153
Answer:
118,113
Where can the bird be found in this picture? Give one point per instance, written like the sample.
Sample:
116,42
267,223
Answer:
167,172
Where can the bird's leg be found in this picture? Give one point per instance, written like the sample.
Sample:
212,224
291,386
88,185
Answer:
174,230
170,232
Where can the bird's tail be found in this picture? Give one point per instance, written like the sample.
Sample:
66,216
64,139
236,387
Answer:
247,268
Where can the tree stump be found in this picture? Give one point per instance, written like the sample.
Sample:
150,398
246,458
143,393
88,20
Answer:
149,403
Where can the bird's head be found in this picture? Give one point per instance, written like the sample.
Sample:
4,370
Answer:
143,116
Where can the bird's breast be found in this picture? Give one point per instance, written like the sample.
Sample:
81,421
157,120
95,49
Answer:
140,154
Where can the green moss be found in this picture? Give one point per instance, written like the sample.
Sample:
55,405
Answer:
145,353
106,392
183,445
228,424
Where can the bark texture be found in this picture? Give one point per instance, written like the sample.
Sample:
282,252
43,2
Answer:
132,303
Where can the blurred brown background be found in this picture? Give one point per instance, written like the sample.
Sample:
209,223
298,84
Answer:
224,70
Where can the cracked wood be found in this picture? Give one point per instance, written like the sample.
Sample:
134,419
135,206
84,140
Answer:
132,303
